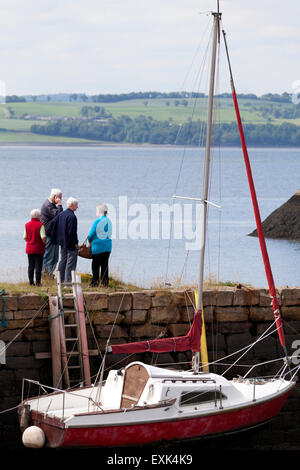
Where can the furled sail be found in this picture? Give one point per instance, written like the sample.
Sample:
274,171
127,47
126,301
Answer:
180,343
260,232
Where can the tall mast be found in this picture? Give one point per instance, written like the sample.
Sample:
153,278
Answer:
217,16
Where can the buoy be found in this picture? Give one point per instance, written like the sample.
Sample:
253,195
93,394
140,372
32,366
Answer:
33,437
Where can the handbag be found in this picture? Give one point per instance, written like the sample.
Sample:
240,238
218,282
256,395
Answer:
84,251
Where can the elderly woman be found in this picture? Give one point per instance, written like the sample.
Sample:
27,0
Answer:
100,240
35,237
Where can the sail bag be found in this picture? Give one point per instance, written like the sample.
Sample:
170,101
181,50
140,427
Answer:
180,343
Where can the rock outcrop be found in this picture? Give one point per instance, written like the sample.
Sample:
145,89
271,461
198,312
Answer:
284,222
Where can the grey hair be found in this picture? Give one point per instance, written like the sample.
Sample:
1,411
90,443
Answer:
35,214
71,201
55,192
101,209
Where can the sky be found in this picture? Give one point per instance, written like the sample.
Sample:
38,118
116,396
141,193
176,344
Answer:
120,46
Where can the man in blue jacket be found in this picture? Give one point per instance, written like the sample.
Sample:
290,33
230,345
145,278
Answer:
65,235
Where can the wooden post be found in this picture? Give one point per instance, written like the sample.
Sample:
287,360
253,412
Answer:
54,319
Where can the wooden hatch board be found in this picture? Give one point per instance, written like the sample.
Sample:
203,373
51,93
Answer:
135,379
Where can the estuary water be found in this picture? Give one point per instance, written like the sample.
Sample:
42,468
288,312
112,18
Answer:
156,237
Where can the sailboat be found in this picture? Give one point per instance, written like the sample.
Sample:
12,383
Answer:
146,404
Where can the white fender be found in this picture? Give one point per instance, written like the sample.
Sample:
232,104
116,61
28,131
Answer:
33,437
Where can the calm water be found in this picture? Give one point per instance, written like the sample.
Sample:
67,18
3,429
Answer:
148,176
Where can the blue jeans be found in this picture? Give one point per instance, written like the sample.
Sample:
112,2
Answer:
51,256
68,262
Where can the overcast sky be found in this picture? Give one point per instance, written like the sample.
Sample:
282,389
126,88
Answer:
119,46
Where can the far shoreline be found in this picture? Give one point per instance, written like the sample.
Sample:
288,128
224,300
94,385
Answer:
126,144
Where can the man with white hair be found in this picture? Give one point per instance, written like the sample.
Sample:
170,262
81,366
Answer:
65,235
50,209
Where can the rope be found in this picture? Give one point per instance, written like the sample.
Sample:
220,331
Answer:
291,327
26,326
91,326
9,409
60,314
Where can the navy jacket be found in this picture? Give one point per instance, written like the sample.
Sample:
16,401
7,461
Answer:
64,229
48,211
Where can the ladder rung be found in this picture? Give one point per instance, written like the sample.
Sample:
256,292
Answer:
74,367
73,353
69,311
71,339
70,325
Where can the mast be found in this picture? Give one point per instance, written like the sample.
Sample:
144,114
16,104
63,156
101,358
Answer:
217,17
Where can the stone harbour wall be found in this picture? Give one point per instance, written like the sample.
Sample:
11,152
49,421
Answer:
234,318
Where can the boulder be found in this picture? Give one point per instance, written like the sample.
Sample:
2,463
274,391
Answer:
284,222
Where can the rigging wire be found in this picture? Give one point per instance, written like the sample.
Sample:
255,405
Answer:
41,309
183,86
197,87
247,348
200,73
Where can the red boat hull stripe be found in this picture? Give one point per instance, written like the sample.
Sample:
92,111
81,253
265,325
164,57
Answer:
135,434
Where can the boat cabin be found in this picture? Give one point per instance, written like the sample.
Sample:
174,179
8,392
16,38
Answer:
140,384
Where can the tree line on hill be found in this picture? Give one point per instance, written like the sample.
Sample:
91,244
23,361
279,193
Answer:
112,98
146,130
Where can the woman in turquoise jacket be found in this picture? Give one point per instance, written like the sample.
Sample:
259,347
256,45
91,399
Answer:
100,240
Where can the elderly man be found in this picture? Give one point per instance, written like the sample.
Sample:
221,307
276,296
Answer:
65,235
50,209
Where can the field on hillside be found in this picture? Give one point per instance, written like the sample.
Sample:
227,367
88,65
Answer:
15,127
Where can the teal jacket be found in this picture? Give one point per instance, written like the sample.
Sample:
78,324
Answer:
100,235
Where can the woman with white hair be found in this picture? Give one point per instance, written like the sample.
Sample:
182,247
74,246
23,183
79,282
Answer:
35,237
100,240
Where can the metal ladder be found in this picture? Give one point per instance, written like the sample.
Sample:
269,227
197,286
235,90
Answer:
73,339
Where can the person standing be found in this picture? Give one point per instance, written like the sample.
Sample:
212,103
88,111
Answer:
50,209
65,235
101,245
35,237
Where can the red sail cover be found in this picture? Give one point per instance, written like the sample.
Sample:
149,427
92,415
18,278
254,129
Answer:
260,231
180,343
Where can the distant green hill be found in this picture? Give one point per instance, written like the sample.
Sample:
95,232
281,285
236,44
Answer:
23,121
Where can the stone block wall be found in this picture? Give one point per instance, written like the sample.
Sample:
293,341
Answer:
234,318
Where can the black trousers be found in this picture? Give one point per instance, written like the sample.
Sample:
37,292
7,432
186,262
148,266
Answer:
100,262
35,264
